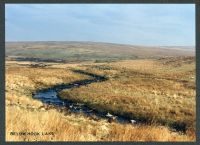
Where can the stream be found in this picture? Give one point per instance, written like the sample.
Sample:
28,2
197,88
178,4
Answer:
51,96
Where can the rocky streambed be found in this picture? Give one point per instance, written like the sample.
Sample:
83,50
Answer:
51,97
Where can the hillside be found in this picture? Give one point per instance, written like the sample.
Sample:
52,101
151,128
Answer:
87,51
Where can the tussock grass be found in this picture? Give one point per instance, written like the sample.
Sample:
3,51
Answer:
79,128
64,128
143,90
23,114
23,79
145,133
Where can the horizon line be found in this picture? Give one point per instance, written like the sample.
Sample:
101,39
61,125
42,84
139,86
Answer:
20,41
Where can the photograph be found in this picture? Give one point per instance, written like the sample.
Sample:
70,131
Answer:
100,72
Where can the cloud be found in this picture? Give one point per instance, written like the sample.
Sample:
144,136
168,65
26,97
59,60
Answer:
145,24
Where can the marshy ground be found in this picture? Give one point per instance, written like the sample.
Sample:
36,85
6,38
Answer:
160,93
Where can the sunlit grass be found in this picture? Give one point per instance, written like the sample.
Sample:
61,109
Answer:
139,88
143,90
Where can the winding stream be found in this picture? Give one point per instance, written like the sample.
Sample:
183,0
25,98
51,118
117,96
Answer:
50,96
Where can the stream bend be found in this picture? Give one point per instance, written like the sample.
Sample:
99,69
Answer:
50,96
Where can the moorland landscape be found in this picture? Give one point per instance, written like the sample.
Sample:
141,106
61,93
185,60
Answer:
92,91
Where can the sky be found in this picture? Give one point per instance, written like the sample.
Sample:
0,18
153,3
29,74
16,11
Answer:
137,24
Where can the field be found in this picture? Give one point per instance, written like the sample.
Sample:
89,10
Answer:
157,91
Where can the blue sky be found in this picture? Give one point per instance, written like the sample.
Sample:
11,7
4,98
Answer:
139,24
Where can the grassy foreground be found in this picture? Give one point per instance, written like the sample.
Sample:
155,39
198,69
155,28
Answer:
128,84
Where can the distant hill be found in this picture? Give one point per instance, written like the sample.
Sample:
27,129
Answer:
187,48
87,51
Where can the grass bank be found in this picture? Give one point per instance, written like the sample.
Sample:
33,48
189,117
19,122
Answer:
154,91
23,114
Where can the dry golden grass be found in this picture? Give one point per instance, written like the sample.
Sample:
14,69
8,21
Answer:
23,114
79,128
67,127
143,89
24,79
145,133
64,127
